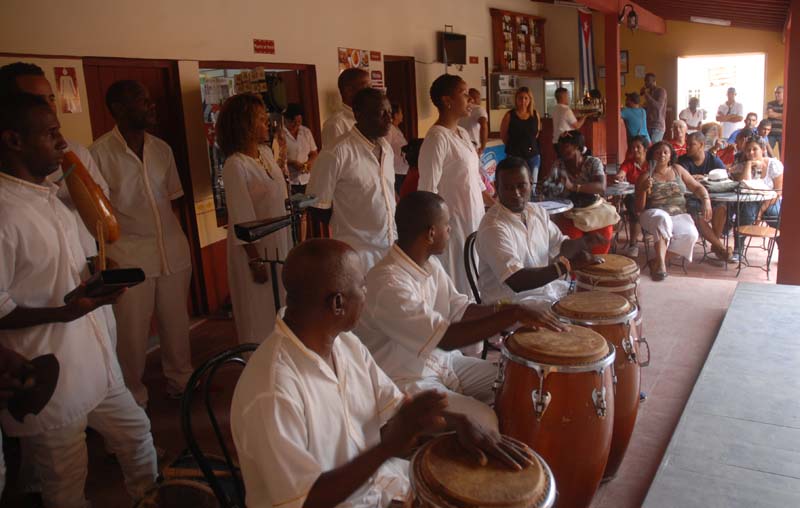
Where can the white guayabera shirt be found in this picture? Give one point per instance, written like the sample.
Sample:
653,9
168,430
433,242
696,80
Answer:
337,125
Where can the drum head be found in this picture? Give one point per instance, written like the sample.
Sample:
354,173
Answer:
592,305
451,472
614,265
577,346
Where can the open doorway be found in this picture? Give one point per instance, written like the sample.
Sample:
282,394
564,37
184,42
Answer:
709,77
401,88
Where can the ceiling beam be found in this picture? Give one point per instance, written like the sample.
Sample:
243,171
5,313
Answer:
648,21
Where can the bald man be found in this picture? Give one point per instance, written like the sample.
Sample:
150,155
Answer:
315,421
416,320
350,82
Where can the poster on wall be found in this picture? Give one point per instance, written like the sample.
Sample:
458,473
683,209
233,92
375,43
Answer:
376,78
69,97
350,58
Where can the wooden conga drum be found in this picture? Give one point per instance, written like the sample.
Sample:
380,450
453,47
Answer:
612,316
444,475
617,274
556,395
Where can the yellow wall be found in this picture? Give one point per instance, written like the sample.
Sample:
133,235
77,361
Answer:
305,31
659,53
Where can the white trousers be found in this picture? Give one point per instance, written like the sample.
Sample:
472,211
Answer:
166,296
469,389
61,460
679,231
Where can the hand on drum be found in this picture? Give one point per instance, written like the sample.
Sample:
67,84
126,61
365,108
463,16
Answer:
421,414
535,317
479,442
584,259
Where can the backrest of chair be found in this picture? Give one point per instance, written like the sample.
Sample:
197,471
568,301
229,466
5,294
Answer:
471,265
201,382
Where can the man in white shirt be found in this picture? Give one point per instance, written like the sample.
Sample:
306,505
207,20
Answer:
29,78
351,81
523,256
416,320
693,116
143,181
730,114
315,421
354,181
563,118
301,149
43,262
477,122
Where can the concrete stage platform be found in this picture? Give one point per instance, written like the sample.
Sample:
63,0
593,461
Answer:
738,440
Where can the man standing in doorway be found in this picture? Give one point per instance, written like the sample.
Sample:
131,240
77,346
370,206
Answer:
775,114
477,123
693,115
655,103
350,82
143,181
730,113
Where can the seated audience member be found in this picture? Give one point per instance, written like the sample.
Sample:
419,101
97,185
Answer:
410,153
697,161
764,130
635,117
750,126
43,263
582,180
354,180
757,171
315,421
415,320
523,256
662,211
634,166
693,116
678,140
717,145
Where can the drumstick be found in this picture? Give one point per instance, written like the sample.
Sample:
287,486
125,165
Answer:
101,246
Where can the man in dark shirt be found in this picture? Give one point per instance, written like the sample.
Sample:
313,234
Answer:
697,161
775,114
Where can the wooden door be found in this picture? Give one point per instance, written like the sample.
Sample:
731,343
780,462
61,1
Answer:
161,79
401,87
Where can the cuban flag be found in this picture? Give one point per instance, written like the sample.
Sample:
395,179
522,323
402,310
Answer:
586,45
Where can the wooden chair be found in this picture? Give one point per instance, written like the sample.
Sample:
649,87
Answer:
769,231
470,263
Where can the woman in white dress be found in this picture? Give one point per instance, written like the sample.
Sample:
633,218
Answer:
254,189
449,166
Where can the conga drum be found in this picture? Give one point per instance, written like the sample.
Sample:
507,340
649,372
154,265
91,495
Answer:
612,316
556,395
617,274
444,475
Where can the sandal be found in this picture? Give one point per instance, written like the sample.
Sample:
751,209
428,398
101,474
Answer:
657,276
723,253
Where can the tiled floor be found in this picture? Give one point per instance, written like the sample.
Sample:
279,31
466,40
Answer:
682,315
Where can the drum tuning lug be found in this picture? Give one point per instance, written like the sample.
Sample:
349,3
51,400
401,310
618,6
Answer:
540,402
627,346
599,399
643,341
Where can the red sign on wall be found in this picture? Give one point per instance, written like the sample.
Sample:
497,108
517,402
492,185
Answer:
375,56
473,59
264,46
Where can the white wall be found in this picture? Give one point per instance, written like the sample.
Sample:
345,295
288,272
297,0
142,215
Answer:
305,31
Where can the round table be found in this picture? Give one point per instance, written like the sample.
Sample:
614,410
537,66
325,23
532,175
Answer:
624,189
753,196
556,206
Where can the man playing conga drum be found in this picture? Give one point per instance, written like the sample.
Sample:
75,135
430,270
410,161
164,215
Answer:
315,421
416,320
522,253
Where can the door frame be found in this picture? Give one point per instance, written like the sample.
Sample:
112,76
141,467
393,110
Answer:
188,216
410,109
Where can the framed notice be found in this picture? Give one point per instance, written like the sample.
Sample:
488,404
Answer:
623,61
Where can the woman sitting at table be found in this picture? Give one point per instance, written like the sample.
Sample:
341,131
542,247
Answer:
661,203
758,172
634,166
581,179
717,145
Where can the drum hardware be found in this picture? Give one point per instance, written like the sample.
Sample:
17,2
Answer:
643,341
599,398
498,380
541,400
627,346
